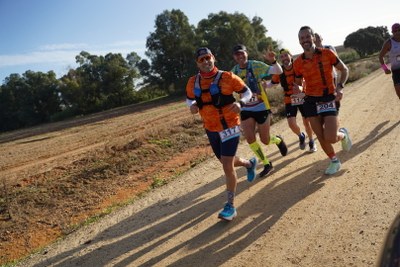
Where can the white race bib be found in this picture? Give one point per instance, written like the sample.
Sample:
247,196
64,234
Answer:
229,133
326,107
297,99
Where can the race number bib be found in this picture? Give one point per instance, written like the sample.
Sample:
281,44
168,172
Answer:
229,133
254,99
326,107
297,99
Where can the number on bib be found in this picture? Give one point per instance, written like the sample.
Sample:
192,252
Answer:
229,133
326,107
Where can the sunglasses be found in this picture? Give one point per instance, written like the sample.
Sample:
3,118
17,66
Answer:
201,60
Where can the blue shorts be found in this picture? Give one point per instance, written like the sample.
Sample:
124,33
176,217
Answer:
227,148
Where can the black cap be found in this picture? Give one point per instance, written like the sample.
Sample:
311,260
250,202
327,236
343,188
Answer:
201,51
239,48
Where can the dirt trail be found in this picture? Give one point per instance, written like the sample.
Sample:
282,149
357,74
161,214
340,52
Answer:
297,216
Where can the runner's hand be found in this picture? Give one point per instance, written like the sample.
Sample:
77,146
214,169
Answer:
270,56
339,95
234,107
297,89
194,109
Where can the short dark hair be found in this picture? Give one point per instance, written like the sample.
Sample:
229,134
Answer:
307,28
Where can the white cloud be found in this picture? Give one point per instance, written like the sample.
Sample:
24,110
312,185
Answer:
65,53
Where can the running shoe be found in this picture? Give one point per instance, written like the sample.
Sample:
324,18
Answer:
282,146
267,169
302,141
251,172
346,141
228,213
334,167
312,145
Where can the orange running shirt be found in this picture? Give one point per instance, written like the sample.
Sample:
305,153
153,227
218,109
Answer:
286,84
210,115
317,71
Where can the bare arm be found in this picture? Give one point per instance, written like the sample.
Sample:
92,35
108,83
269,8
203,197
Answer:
385,49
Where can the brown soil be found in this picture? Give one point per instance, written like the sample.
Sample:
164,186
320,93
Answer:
297,216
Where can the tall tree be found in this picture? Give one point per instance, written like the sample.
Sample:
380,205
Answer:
368,40
170,49
220,32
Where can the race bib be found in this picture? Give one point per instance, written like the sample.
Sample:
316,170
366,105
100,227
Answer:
253,99
297,99
326,107
229,133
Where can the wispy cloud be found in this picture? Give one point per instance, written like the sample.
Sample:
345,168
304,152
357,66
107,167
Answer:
61,54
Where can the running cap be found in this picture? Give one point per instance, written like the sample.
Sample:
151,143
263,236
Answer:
395,27
239,48
201,51
284,51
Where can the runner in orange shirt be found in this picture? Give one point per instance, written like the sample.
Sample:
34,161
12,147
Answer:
315,67
293,103
210,93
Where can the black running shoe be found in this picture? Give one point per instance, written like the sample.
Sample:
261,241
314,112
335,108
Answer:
267,169
282,146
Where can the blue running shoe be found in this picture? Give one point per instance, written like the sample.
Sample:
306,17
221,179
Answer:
302,141
228,213
251,172
313,146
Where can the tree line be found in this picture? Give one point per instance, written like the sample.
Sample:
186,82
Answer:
105,82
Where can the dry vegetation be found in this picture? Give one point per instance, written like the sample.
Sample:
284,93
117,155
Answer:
57,177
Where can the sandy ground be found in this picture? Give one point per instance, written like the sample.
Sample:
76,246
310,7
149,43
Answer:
297,216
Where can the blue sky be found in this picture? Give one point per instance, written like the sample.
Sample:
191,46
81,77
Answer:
44,35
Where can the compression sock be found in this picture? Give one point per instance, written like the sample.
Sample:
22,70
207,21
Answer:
332,156
258,151
231,197
274,140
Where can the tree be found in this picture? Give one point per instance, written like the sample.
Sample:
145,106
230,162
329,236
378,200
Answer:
28,99
170,49
220,32
368,40
100,82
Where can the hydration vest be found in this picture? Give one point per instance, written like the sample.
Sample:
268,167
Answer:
251,80
217,98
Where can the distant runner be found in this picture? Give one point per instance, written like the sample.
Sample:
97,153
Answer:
293,102
392,45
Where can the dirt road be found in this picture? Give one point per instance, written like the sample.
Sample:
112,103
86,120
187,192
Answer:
297,216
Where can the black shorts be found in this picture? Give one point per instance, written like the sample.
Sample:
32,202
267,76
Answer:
227,148
310,106
396,77
291,111
259,116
